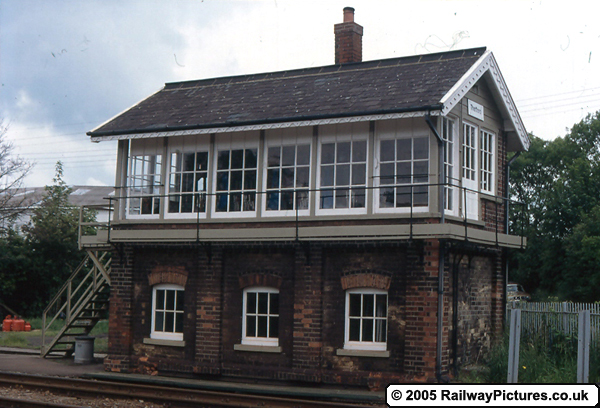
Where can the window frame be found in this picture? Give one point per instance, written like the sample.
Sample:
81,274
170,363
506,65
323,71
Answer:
361,344
487,161
162,335
451,163
384,136
244,141
336,135
259,340
283,140
148,152
183,150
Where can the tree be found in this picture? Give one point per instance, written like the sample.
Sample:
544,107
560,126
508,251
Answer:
13,171
560,183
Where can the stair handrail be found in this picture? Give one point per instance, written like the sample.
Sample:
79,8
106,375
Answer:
72,310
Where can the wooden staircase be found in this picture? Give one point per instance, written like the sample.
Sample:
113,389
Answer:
78,306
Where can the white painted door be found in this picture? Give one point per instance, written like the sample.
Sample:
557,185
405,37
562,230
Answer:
470,196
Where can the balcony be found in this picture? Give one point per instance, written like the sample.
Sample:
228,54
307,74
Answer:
411,222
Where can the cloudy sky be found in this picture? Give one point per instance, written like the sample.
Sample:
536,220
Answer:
66,66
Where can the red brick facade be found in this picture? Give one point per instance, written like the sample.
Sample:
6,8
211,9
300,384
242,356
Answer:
312,279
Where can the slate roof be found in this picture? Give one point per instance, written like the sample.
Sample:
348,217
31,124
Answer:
395,85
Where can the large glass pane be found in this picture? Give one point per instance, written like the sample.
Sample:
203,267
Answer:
222,181
251,302
188,182
188,162
273,156
359,176
221,202
343,152
159,321
251,326
169,322
223,160
263,302
367,330
235,202
403,173
421,148
381,306
288,156
274,327
273,178
170,303
179,323
341,197
160,300
327,153
237,159
386,198
342,175
359,151
327,199
202,161
236,180
355,304
420,172
386,173
358,198
380,330
186,203
354,330
179,301
302,177
250,179
303,157
262,326
403,197
249,201
287,178
403,149
368,305
287,200
274,305
327,176
251,159
388,150
272,201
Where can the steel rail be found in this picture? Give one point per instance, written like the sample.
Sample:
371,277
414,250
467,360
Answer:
176,397
6,402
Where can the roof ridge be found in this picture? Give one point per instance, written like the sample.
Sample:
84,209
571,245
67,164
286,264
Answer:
322,70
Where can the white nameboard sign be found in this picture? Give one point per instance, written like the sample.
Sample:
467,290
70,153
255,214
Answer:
475,109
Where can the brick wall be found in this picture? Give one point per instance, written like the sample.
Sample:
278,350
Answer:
311,278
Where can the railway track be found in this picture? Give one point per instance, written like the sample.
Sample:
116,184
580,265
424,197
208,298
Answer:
169,396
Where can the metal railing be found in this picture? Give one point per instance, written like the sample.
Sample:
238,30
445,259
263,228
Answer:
494,222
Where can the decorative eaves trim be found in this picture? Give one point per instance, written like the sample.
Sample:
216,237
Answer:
487,63
265,126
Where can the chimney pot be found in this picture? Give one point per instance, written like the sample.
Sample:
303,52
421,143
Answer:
348,14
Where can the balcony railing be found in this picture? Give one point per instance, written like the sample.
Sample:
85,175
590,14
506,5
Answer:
412,222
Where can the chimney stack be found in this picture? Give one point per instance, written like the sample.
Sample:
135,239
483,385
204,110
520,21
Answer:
348,39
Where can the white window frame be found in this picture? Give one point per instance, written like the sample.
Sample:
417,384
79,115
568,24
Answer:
399,130
148,152
183,148
365,345
231,142
256,340
163,335
470,170
487,162
343,133
449,134
286,138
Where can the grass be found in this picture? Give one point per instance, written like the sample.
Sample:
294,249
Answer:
541,361
33,338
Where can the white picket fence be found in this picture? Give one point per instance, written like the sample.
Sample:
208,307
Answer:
546,317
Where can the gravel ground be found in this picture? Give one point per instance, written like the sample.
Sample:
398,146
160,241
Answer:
21,393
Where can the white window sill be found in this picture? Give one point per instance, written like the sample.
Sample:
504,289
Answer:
363,353
161,342
257,349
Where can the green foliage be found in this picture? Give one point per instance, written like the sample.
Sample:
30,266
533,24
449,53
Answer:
541,361
36,265
560,183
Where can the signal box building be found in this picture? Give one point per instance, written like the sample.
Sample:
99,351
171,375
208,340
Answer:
344,224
